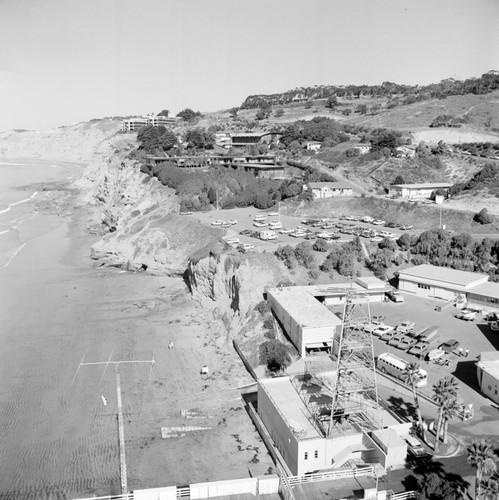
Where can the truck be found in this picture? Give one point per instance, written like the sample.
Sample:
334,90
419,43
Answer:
429,335
406,327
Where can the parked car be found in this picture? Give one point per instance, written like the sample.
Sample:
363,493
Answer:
415,448
257,223
185,213
466,315
406,227
395,340
381,330
377,239
419,349
395,296
406,327
245,231
273,214
369,327
494,326
406,343
386,337
217,222
247,246
233,222
286,231
449,345
231,241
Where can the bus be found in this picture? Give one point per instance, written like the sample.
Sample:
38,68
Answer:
394,366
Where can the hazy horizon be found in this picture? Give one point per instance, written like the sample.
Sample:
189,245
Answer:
66,61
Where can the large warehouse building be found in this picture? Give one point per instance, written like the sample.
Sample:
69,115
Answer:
445,283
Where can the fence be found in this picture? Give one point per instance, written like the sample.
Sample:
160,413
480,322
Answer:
333,474
401,496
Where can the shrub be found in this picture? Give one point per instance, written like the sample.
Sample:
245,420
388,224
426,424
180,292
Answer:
304,255
274,354
320,246
268,324
263,307
483,217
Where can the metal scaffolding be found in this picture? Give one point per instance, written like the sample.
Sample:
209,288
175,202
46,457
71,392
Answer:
355,393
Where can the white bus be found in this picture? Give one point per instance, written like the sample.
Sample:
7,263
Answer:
394,366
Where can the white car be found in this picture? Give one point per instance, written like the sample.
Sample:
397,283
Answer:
185,213
217,222
298,235
382,329
232,222
247,246
258,223
275,225
232,241
260,218
273,214
286,231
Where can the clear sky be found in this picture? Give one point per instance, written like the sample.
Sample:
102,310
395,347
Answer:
65,61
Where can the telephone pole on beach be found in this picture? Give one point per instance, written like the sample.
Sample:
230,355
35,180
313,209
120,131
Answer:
121,426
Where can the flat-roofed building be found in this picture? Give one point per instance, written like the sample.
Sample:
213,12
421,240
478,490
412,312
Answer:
265,170
439,282
133,124
294,411
330,189
487,368
306,321
484,296
418,191
157,120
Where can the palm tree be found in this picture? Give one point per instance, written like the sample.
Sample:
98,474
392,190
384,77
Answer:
481,456
411,376
449,411
490,489
445,391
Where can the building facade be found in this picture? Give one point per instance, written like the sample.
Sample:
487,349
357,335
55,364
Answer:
418,191
330,189
487,368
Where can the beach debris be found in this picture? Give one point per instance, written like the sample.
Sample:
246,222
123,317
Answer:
104,400
170,345
194,413
205,371
173,432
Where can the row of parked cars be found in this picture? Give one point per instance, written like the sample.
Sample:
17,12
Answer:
377,222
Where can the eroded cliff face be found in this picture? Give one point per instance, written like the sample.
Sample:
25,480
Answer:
232,284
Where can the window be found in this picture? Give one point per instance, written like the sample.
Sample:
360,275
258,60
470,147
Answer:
425,287
316,454
306,455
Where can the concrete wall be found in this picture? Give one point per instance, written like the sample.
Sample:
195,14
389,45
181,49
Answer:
488,385
484,303
340,300
221,488
167,493
312,335
311,463
432,290
284,439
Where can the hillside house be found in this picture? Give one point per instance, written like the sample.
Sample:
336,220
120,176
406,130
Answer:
363,149
330,189
406,152
313,145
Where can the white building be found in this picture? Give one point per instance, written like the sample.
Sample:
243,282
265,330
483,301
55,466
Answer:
313,145
418,191
297,432
487,370
302,310
445,283
133,124
330,189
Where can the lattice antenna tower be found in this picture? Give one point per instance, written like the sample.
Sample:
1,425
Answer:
355,394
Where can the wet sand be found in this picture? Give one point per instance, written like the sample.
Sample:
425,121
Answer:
57,439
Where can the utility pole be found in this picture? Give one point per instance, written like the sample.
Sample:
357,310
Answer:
121,426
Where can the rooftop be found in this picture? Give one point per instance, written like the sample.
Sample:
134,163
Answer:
489,362
425,185
334,185
443,274
488,289
291,407
303,307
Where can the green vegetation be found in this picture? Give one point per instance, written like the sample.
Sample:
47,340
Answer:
388,90
483,217
156,139
275,355
198,190
487,177
325,130
484,149
189,115
480,454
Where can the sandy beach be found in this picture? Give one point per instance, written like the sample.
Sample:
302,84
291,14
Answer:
57,438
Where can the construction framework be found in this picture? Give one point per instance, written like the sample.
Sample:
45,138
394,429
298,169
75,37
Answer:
355,393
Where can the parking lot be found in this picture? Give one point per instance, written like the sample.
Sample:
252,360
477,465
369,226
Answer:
476,336
245,222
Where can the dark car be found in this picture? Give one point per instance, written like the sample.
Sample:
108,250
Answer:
449,345
245,231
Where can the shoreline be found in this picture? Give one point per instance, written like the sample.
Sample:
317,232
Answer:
57,437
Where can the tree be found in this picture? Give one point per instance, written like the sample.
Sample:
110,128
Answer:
199,138
320,245
480,454
411,377
445,391
449,411
332,102
304,255
398,180
274,354
483,217
361,108
347,112
188,114
165,112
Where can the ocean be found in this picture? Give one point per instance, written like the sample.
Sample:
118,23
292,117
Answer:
19,195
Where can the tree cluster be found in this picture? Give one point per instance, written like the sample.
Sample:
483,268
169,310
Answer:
342,258
189,115
458,251
275,355
197,190
156,139
199,138
325,130
488,176
483,149
300,255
